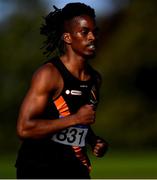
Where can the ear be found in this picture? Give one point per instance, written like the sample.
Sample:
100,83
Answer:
67,38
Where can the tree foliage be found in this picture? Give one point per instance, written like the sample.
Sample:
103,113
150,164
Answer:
128,64
126,59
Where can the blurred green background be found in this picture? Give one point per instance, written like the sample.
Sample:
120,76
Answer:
127,60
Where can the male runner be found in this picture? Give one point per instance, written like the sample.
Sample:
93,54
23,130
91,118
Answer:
59,107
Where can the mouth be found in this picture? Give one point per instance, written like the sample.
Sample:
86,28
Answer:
91,46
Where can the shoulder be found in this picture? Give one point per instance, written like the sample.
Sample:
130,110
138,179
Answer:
46,77
96,75
46,70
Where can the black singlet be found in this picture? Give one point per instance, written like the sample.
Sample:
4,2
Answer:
46,152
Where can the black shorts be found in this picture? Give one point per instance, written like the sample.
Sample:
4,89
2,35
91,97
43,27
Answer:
48,160
66,171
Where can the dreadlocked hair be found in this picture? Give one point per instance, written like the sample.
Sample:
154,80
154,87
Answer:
53,28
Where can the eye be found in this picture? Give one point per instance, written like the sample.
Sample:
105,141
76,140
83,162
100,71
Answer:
85,32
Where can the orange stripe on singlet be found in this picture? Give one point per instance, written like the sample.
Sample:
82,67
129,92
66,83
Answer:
62,106
93,94
63,109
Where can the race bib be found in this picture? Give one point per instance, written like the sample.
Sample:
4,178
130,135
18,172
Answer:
73,136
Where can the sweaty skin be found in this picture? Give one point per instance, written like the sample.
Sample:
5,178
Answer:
80,44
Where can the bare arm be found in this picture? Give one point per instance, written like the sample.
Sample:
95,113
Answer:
30,125
99,145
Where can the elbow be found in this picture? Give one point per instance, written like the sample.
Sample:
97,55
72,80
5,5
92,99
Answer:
23,129
26,129
22,133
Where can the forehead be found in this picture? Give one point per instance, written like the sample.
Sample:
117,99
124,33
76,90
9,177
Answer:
82,21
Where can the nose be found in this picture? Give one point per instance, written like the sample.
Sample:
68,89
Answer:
91,36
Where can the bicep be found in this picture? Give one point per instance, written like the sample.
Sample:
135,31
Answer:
33,104
31,108
36,99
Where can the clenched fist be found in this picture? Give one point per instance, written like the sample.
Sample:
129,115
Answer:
100,147
85,115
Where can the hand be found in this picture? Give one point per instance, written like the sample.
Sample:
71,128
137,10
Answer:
100,147
85,115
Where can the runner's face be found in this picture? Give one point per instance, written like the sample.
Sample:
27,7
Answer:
83,36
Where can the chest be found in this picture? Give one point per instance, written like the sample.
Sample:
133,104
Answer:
77,94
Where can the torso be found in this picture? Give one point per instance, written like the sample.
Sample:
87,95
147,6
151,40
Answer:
72,94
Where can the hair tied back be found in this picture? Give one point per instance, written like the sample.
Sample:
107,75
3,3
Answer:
57,9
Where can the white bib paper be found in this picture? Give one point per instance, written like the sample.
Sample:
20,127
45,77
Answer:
73,136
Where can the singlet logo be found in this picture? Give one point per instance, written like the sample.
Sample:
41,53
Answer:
73,92
83,86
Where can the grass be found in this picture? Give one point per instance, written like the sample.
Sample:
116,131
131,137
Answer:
123,165
7,169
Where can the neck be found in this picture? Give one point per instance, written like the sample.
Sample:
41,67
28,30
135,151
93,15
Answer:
76,65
